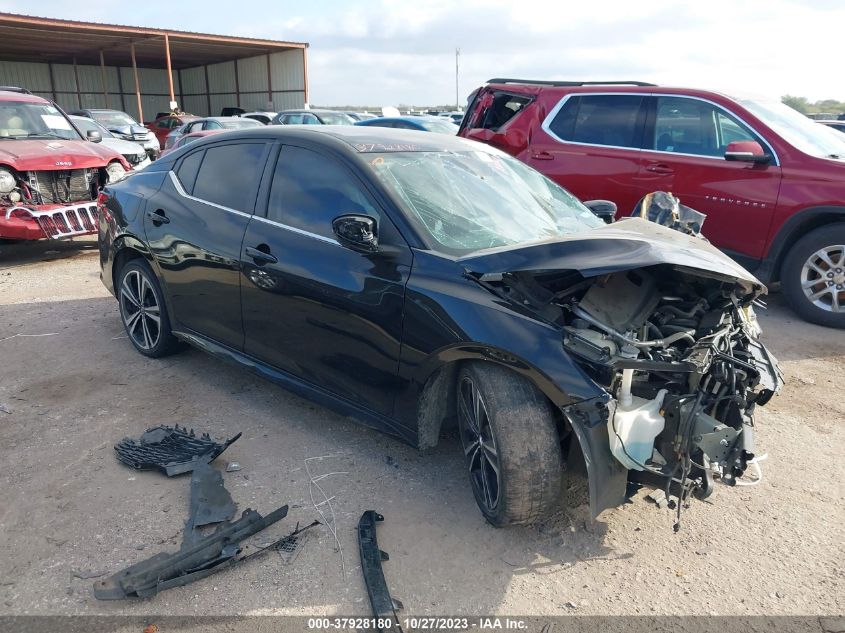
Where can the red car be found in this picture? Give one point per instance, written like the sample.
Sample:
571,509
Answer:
771,181
50,175
164,125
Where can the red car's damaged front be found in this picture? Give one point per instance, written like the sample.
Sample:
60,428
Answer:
49,175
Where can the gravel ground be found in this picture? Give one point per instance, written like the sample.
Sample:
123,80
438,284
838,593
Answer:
69,509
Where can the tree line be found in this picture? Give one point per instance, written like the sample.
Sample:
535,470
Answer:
804,106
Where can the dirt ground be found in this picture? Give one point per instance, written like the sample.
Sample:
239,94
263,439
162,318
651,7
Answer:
69,509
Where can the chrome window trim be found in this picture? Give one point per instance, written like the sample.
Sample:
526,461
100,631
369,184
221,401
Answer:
293,229
181,191
546,125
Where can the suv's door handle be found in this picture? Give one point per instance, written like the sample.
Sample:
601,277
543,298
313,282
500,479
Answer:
543,156
158,217
260,256
660,168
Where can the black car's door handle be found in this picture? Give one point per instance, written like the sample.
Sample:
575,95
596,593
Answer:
261,255
158,217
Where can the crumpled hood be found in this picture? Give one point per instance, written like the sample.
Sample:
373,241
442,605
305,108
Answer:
54,154
627,244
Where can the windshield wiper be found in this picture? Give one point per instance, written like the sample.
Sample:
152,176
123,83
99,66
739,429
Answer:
834,156
43,134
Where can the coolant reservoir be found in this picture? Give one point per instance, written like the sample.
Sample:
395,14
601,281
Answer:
635,425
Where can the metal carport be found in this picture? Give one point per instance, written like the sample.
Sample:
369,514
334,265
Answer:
141,70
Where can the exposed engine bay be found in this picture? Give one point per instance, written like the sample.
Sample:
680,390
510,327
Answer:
51,187
677,350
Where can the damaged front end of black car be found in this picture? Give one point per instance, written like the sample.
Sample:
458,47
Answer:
665,325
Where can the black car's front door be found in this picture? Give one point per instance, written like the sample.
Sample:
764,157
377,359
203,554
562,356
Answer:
323,312
195,225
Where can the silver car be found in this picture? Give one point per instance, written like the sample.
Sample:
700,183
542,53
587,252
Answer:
133,152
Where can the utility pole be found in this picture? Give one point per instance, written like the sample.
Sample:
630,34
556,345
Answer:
457,97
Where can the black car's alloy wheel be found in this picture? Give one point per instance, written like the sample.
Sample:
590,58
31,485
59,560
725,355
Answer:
142,310
511,444
479,444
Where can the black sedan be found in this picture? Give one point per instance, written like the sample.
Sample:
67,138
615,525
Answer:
418,281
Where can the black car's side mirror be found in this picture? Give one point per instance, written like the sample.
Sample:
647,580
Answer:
359,232
604,209
94,136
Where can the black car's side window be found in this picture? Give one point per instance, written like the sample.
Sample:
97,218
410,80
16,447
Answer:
310,190
612,120
229,175
188,170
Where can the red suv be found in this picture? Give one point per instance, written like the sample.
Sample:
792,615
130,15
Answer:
771,181
49,174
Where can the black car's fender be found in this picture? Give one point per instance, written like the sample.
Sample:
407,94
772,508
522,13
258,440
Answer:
450,319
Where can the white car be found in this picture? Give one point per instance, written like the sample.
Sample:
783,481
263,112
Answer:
134,153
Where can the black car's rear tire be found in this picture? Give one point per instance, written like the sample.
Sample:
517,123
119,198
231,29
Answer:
510,442
143,311
813,276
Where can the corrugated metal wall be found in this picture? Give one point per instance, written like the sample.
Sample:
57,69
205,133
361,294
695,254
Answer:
83,88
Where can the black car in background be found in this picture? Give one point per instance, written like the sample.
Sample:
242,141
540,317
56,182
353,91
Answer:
417,281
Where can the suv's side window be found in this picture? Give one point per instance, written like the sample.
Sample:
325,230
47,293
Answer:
613,120
310,190
690,126
229,175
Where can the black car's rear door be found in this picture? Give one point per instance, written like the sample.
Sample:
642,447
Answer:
323,312
195,225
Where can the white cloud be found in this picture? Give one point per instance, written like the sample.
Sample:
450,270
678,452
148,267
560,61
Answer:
380,52
394,51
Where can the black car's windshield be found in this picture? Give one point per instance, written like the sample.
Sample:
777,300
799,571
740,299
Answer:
476,199
113,118
21,119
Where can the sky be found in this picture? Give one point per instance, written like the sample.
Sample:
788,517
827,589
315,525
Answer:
391,52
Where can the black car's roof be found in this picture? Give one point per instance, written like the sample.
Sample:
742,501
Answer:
352,139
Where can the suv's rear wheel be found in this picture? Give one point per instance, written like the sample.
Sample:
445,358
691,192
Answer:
510,443
143,311
813,276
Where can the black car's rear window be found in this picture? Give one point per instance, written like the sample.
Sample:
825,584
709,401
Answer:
188,170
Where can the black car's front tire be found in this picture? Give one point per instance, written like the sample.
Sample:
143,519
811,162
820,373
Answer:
510,443
143,311
813,276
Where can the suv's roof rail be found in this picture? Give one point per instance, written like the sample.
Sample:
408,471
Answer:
504,80
15,89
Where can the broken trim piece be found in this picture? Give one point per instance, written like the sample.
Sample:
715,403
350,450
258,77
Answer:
384,607
211,554
171,450
210,502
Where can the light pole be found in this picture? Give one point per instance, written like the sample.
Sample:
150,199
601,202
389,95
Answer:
457,98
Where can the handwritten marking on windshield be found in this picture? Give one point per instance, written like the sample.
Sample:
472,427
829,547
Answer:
386,147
